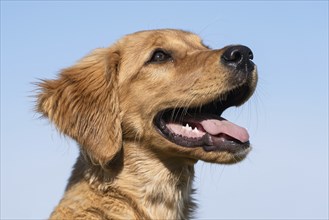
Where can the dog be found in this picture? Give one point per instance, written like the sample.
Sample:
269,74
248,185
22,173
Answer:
143,111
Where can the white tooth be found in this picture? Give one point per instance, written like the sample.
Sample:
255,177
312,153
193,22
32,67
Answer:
195,130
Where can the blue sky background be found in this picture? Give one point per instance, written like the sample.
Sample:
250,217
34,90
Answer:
286,174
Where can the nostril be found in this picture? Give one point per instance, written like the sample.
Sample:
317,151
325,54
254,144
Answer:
238,57
232,56
251,55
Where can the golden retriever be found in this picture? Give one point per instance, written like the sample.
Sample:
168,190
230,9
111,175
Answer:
143,112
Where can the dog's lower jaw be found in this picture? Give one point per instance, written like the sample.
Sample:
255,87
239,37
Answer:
145,187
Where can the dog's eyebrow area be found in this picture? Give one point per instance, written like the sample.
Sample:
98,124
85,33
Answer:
171,41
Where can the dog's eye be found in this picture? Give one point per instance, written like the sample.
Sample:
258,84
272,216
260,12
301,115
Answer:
160,56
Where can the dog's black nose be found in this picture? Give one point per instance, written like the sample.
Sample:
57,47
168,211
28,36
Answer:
238,57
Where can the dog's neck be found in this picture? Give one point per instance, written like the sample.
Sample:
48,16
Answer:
161,187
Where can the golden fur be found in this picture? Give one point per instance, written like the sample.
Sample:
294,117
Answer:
107,102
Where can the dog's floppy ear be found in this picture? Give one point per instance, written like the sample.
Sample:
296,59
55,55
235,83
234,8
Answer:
83,103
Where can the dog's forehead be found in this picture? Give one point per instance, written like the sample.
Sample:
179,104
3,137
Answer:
165,37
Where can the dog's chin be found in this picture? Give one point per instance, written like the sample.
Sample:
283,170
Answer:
201,133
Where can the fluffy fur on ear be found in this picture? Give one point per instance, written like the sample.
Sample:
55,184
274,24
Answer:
83,103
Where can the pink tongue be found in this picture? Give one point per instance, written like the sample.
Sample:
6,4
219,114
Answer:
215,127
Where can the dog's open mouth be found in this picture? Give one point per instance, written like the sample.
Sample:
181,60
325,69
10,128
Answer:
204,127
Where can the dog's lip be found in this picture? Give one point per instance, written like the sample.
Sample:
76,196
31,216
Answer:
224,144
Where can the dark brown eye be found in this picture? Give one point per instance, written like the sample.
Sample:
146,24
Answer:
160,56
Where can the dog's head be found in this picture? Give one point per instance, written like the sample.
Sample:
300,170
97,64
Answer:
162,88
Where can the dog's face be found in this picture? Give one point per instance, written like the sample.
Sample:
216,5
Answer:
173,90
163,88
